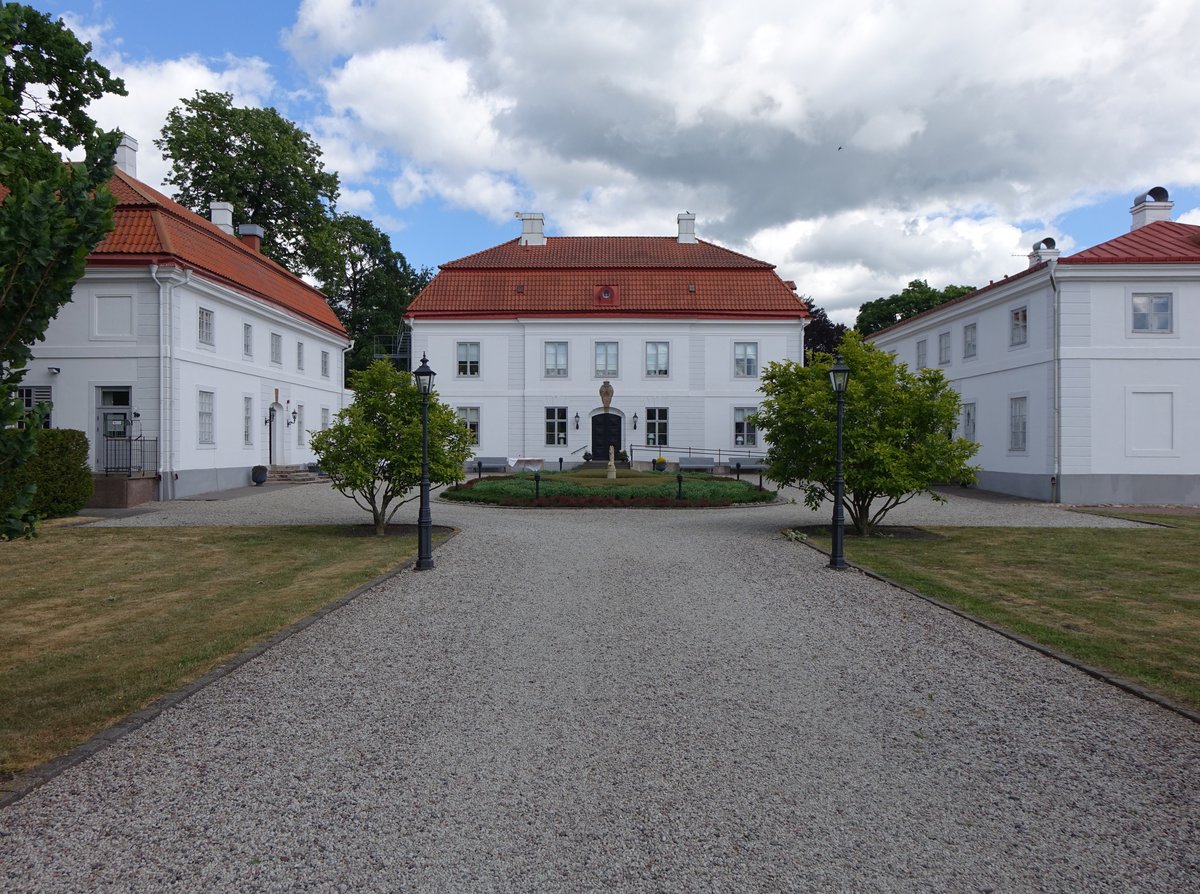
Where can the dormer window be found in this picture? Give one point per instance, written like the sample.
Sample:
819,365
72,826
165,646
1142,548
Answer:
610,295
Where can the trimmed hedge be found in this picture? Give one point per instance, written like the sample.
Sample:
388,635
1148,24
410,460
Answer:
60,470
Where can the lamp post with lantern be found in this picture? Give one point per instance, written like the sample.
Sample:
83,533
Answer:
839,378
424,376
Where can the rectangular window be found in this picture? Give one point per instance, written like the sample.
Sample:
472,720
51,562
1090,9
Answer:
606,359
656,358
922,352
968,426
299,425
1018,419
1019,330
556,359
969,341
745,359
656,427
324,418
1152,313
556,426
276,348
300,356
943,348
468,358
744,432
248,421
205,334
30,397
247,340
469,416
325,364
204,418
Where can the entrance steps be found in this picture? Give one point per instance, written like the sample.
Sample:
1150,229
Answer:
293,475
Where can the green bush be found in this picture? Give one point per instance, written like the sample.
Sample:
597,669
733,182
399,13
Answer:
60,470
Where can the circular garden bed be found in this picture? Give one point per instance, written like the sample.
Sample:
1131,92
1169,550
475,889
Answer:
593,489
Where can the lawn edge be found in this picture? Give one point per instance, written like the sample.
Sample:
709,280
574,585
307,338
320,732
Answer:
1097,673
13,790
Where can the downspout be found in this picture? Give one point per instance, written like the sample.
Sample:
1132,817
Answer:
166,485
1056,484
342,390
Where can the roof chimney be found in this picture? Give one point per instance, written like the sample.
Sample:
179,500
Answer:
222,215
1149,207
687,227
531,228
126,155
1043,250
251,236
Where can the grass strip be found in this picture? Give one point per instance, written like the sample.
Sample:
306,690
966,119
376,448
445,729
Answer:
96,623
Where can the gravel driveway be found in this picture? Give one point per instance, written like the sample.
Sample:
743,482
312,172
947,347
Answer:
629,701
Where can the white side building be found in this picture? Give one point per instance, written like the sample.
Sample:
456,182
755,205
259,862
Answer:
1080,376
524,335
186,355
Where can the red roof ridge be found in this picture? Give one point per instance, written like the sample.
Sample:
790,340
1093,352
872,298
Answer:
605,252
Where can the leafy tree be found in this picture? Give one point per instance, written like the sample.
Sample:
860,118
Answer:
916,297
821,333
898,431
52,214
372,452
267,167
368,283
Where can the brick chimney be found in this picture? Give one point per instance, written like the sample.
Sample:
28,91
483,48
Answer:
126,155
1149,207
251,236
687,227
222,215
532,228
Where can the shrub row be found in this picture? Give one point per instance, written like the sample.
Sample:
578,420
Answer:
59,469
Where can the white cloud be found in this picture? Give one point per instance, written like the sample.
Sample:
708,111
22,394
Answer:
1190,217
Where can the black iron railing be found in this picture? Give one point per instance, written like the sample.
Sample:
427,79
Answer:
722,456
129,456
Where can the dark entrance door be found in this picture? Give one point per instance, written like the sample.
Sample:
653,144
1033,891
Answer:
606,432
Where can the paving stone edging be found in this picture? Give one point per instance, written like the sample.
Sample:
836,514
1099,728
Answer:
13,790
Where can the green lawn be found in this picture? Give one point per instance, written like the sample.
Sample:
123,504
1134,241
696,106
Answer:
1123,600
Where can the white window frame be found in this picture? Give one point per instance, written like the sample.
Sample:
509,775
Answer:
206,327
970,341
612,369
660,366
743,428
247,420
556,426
1018,434
1018,326
206,418
945,348
658,426
970,416
469,416
324,418
300,356
922,354
467,366
276,349
745,359
248,341
324,364
1150,314
556,365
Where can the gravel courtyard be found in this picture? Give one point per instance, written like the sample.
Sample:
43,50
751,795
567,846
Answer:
627,701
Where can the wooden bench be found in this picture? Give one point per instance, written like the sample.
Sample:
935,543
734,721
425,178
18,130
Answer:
697,464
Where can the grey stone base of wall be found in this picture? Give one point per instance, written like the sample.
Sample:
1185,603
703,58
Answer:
1093,489
202,481
121,492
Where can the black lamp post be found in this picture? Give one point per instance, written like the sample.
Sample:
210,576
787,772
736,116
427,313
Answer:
839,377
424,376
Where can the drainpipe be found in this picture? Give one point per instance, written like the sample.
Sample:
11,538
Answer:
1056,480
342,390
166,488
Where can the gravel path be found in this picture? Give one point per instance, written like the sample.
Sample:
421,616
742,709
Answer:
629,701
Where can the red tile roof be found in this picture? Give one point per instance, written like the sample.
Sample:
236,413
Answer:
152,229
651,275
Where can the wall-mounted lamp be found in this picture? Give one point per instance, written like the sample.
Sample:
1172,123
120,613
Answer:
576,421
292,421
635,421
54,370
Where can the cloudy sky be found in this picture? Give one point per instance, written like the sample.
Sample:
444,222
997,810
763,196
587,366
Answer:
856,144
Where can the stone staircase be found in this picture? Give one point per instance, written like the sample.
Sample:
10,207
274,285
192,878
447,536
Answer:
292,475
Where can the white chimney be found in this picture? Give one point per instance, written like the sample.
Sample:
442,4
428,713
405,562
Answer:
1149,207
532,228
126,155
222,215
687,227
1043,250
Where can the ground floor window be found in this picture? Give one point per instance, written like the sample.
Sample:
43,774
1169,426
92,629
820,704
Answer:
299,425
469,416
656,427
556,426
204,420
248,421
324,418
968,427
30,397
1018,423
744,432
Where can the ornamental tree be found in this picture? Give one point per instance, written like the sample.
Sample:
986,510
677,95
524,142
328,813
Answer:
898,433
916,297
372,452
52,214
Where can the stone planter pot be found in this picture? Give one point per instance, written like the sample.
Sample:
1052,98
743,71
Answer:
660,467
258,475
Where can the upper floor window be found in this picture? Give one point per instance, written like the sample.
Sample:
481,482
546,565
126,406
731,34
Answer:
745,358
1152,313
922,352
744,432
1018,332
206,334
469,416
606,359
969,341
276,348
656,358
247,340
556,359
556,426
300,355
1018,423
468,358
325,366
943,348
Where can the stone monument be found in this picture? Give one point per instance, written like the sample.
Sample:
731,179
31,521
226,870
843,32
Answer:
612,459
